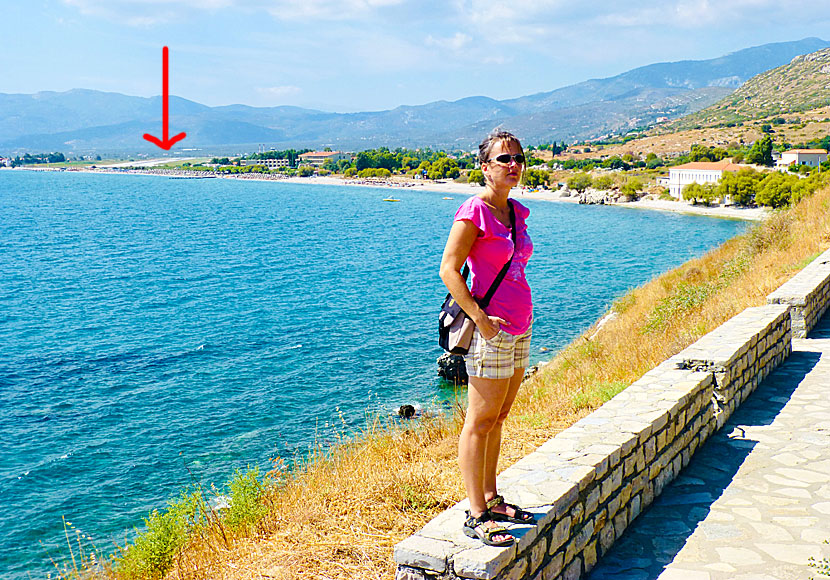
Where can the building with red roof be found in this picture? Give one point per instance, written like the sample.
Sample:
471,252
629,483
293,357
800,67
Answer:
698,172
811,157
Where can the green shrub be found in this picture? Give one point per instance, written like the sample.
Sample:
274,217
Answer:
154,550
476,176
246,507
775,190
535,177
685,297
632,187
696,192
603,182
580,182
598,393
374,172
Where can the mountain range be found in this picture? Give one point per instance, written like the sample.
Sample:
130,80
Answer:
84,121
801,85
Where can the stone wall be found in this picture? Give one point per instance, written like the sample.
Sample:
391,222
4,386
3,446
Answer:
808,292
589,482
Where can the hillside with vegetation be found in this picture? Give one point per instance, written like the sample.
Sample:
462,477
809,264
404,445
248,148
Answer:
801,85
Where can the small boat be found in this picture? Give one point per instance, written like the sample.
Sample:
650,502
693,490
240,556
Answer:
447,198
390,199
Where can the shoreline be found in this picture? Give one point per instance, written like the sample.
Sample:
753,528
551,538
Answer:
450,187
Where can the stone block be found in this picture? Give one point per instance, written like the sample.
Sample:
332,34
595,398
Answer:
625,494
654,470
574,570
579,540
537,555
562,496
612,451
647,496
661,440
599,522
577,514
650,449
554,567
483,562
635,508
611,483
517,571
589,556
614,505
607,536
421,552
620,523
447,525
561,532
630,465
582,475
639,482
596,460
641,460
405,573
592,501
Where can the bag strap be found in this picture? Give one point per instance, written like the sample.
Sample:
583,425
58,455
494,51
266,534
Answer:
484,302
500,276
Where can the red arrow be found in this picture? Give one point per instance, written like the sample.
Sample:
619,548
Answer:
164,142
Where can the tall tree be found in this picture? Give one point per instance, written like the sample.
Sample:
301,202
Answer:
761,152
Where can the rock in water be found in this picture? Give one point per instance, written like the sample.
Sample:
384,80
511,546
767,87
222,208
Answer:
452,369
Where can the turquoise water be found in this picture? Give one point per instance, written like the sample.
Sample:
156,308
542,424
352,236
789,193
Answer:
156,331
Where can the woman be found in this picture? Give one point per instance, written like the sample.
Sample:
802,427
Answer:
500,350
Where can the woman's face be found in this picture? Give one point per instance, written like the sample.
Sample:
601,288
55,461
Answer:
504,174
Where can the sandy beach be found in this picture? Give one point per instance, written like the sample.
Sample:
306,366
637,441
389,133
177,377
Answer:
727,212
451,187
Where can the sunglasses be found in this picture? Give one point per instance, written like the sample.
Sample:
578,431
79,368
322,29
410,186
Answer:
505,158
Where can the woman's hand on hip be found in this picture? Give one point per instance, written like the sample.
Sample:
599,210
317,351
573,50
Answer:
489,326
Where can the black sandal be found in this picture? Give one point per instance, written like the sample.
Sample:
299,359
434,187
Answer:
476,528
521,516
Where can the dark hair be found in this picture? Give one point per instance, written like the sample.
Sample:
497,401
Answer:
496,136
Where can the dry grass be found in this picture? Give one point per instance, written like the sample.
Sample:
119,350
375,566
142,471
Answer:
814,126
340,515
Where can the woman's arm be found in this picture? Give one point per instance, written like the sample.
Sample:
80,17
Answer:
462,236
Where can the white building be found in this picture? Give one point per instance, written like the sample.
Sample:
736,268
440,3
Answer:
320,157
699,172
811,157
269,163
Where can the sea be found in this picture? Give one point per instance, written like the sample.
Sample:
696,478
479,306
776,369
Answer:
157,333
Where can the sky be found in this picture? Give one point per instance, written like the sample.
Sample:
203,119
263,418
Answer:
370,55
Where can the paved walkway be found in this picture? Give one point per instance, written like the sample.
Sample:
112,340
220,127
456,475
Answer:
754,502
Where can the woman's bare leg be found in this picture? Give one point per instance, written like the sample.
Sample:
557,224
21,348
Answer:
486,398
494,439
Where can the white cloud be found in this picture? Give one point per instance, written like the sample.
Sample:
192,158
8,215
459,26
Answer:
325,9
456,42
532,21
280,92
145,13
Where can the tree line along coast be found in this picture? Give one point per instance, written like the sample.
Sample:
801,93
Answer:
610,170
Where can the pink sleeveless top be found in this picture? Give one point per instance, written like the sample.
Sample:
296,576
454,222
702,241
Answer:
490,251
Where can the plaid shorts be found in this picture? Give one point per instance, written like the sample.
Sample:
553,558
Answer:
498,357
